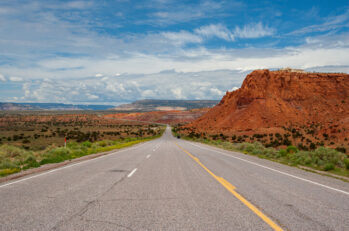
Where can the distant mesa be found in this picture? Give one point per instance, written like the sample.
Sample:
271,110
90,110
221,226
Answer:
148,105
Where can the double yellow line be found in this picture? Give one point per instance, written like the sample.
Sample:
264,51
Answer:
231,188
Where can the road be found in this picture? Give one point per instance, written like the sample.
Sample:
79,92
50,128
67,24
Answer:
172,184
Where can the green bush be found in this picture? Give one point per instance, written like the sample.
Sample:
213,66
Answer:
328,155
102,143
87,144
346,163
30,162
7,164
282,152
8,171
328,167
11,151
291,149
56,155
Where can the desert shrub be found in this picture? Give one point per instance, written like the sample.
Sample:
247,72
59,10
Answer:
255,148
56,155
7,164
282,152
87,144
291,149
346,163
11,151
72,145
329,155
78,153
8,171
341,149
286,142
26,141
102,143
312,146
270,152
30,162
329,166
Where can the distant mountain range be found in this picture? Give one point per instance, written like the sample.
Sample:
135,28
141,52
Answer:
137,106
165,105
50,107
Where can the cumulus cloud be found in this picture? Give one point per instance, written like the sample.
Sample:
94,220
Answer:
16,79
2,78
256,30
91,96
177,93
162,85
59,53
217,92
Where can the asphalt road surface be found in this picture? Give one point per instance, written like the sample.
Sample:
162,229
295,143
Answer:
172,184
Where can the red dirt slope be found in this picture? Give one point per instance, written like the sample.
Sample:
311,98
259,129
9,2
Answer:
274,99
168,117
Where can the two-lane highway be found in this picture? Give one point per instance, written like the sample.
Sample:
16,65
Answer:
171,184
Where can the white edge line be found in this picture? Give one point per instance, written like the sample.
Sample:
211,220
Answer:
131,173
284,173
68,166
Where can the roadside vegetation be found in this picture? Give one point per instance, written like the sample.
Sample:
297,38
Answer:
15,159
29,141
321,158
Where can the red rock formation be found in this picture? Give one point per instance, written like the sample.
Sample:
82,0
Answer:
269,99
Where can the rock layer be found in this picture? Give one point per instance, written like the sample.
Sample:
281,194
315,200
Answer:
270,99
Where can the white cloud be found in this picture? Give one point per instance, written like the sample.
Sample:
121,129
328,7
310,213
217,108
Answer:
16,79
86,53
91,96
148,94
2,78
215,30
217,92
253,31
182,37
330,23
234,89
177,93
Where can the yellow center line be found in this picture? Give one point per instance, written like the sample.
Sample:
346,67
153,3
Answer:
231,188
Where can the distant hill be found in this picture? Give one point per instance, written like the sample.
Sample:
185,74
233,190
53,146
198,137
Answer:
165,105
308,108
50,107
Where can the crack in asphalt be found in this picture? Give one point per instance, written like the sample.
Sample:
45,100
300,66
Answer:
85,208
301,215
108,222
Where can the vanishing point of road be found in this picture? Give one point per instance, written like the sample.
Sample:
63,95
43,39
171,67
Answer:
172,184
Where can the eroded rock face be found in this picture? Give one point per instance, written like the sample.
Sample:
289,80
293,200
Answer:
270,99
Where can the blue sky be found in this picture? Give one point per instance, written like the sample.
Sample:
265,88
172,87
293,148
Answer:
120,51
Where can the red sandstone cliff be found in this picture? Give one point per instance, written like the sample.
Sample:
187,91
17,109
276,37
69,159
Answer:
269,99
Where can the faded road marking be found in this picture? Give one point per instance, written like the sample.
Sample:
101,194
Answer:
131,173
